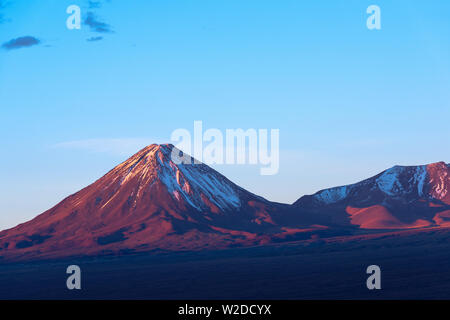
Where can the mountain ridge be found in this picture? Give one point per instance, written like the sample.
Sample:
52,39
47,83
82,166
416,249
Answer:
397,198
152,202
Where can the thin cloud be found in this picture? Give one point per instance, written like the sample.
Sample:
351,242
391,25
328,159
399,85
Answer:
113,146
21,42
93,39
96,25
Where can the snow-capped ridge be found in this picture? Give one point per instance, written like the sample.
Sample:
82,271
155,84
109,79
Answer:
423,181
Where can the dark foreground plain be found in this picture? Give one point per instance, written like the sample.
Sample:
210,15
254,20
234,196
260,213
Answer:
414,265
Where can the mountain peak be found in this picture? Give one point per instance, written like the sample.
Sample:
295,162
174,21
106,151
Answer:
439,165
153,150
399,197
192,184
406,182
159,147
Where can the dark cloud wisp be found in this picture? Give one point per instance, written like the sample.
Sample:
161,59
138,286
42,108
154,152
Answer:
21,42
2,15
96,25
94,4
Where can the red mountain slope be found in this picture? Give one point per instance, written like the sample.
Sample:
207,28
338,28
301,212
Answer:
146,203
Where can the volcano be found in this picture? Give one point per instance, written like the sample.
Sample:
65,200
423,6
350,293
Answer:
150,202
402,197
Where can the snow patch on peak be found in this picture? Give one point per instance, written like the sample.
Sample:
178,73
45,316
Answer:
212,185
190,181
332,195
388,181
393,181
420,178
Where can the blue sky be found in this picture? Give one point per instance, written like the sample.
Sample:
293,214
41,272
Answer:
349,102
